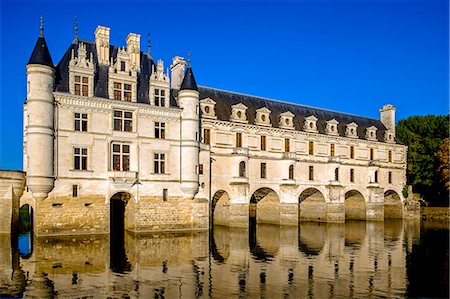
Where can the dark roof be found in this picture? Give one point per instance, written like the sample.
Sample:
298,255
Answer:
225,99
101,71
189,80
40,54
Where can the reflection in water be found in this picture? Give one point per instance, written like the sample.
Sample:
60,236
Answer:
317,260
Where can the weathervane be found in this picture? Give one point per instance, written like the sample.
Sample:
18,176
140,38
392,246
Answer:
41,28
148,44
189,57
75,30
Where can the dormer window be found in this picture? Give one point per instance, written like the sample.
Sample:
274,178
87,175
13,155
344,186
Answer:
122,66
286,120
207,106
238,113
351,130
159,90
262,117
81,86
371,133
122,78
160,97
389,136
122,91
331,128
81,72
310,124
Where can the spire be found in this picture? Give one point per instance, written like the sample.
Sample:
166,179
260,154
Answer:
41,28
40,54
189,79
148,44
75,30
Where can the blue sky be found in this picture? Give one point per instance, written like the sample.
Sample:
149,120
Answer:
349,56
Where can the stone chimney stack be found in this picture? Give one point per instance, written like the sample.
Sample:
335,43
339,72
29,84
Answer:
177,69
134,50
387,117
102,42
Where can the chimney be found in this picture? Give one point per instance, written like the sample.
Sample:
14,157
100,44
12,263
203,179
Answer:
177,69
102,42
387,117
134,50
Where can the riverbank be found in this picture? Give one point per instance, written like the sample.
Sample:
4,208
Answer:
435,213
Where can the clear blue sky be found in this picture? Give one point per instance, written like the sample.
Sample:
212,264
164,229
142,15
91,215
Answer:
349,56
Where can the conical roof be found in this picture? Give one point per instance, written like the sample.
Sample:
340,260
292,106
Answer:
40,54
189,80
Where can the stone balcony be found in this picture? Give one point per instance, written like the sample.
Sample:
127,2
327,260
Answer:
241,151
239,181
289,156
127,177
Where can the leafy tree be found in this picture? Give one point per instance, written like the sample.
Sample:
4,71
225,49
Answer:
443,156
424,135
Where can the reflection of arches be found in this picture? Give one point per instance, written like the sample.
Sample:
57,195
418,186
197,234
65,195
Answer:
312,236
312,205
265,206
392,232
220,247
25,238
118,222
355,205
264,242
221,208
392,205
355,232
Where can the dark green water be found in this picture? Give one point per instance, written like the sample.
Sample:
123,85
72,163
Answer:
394,259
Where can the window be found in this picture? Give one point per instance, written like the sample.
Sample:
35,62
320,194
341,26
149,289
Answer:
287,145
79,158
123,121
74,190
336,174
159,162
311,148
238,139
80,122
81,86
389,156
122,66
200,169
165,194
207,136
263,143
242,169
122,91
121,157
390,177
160,130
352,175
311,173
376,176
352,152
160,97
332,150
371,154
291,172
263,170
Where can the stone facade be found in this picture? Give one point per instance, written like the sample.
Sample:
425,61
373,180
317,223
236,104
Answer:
106,123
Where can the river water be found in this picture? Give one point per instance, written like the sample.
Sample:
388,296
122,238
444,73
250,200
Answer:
394,259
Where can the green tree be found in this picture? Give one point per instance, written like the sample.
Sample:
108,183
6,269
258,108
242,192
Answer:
443,156
424,135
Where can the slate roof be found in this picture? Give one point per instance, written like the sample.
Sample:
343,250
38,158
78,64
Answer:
224,99
40,54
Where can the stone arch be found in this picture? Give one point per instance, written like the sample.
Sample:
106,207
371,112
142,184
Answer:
393,207
119,222
355,205
25,229
221,208
312,206
264,206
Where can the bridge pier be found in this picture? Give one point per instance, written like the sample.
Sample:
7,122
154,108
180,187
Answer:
12,184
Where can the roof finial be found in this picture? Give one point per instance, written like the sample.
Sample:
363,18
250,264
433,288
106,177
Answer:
148,44
41,28
189,57
75,30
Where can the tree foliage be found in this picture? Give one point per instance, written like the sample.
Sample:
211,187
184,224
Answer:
425,137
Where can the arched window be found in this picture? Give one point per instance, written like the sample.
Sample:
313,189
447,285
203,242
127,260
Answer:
336,174
291,172
376,176
242,169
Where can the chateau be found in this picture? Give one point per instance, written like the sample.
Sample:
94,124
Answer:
113,141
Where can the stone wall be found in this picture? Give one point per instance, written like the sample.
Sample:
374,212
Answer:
12,184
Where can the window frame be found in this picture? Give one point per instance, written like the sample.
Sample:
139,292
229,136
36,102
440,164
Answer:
207,136
81,85
311,173
160,130
332,150
123,156
311,147
287,145
125,122
352,175
291,172
242,170
263,143
263,170
238,139
80,159
81,121
159,95
159,163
